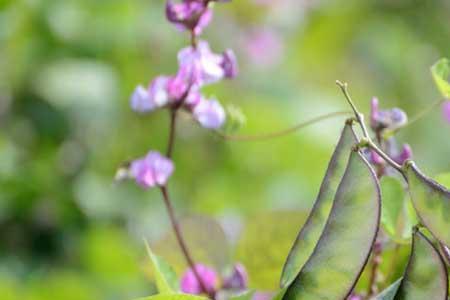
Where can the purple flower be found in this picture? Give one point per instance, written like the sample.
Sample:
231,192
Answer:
238,280
229,64
178,85
158,91
193,99
209,113
151,170
375,158
404,155
201,65
191,15
140,100
446,110
190,285
386,119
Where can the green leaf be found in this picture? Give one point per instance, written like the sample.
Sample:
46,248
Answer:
205,239
390,292
272,247
426,274
397,215
165,277
310,232
431,201
343,249
441,72
173,297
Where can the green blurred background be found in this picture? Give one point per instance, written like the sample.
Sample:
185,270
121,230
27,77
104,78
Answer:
67,69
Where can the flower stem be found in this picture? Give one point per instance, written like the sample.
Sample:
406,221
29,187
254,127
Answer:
173,125
367,140
180,240
171,212
280,133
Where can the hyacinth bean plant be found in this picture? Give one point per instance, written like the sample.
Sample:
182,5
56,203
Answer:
352,217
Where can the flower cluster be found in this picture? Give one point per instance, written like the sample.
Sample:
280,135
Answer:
198,66
384,123
235,282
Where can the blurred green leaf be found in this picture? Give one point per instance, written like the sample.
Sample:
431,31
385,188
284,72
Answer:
398,216
310,232
264,245
441,73
426,275
431,201
165,277
443,179
346,241
205,239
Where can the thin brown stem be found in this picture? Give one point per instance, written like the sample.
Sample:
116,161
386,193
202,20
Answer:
181,242
280,133
172,130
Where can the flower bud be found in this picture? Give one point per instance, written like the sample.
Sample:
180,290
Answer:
190,285
386,119
238,279
404,155
191,15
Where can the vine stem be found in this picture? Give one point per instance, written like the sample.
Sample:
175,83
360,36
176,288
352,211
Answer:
280,133
423,113
367,140
181,242
171,212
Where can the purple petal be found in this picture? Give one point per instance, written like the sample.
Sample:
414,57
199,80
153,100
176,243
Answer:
210,114
238,280
190,285
404,155
154,169
140,100
192,15
201,65
161,167
193,99
446,110
158,91
229,64
177,86
203,21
